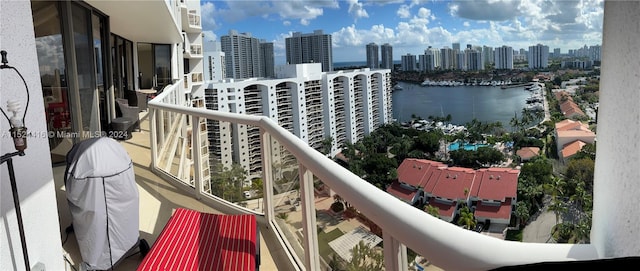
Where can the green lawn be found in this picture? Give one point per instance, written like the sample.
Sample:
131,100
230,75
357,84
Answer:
324,239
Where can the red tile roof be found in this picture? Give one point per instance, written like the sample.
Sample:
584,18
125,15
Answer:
452,183
496,184
560,94
445,210
527,153
570,109
503,211
572,148
568,124
416,172
399,191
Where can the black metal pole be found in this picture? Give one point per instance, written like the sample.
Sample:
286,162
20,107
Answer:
16,202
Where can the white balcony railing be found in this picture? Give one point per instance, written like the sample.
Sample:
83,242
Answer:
444,244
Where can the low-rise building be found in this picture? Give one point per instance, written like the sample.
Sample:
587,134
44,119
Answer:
490,192
571,136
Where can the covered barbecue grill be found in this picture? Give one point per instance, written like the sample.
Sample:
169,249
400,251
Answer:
103,200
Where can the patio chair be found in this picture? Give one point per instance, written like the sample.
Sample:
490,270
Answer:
130,113
142,100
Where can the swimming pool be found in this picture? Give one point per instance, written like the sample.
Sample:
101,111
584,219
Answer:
467,146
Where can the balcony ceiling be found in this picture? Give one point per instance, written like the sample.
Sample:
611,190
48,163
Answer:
140,21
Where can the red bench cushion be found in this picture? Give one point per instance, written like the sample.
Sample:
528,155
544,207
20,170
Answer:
193,240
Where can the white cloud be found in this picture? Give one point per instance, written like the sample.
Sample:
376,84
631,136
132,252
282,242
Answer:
403,12
304,11
518,23
424,13
207,11
494,10
209,35
357,10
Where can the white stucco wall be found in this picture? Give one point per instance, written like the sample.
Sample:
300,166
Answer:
617,175
33,171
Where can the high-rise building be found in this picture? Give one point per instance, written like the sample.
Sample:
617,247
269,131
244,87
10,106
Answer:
556,52
242,55
387,56
408,62
372,56
594,52
429,61
504,58
474,60
487,54
460,60
310,48
447,58
538,56
455,46
437,60
214,64
311,104
267,64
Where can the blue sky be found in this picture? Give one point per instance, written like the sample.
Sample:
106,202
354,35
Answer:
410,26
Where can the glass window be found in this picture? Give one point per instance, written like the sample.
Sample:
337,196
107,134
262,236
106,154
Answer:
50,50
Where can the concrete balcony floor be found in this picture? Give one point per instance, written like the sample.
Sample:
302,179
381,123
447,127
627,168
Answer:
158,200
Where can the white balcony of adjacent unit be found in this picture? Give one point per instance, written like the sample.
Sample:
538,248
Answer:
196,78
191,21
195,50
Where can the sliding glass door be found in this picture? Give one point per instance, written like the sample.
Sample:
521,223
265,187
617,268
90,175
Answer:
154,63
70,42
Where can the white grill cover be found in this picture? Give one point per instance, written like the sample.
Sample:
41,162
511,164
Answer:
103,200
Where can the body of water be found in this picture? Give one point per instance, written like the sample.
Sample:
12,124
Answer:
464,103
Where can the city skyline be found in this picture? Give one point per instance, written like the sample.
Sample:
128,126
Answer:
409,26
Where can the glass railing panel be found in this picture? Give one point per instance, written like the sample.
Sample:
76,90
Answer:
174,148
287,205
345,235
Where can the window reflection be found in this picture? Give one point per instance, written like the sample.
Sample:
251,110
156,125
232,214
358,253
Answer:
50,50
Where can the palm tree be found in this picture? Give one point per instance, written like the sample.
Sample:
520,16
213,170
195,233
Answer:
522,212
466,218
514,122
432,210
365,258
327,143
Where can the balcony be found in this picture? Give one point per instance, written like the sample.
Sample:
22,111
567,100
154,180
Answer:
297,247
191,49
191,21
158,199
195,50
196,78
